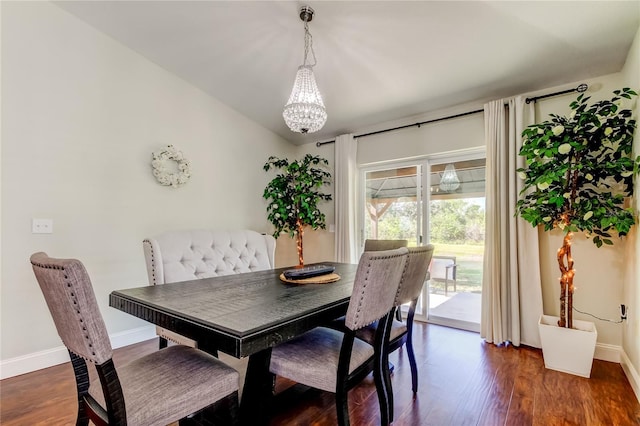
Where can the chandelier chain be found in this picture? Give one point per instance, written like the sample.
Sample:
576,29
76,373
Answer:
308,45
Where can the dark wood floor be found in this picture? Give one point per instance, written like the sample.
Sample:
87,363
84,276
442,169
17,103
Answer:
463,381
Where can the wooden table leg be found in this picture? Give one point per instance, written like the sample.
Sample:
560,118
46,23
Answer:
258,390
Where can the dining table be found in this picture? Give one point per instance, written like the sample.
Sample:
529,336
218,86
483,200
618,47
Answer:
243,315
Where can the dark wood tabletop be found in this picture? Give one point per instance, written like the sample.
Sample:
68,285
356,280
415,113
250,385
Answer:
242,315
239,314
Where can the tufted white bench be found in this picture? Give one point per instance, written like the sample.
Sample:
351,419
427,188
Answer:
194,254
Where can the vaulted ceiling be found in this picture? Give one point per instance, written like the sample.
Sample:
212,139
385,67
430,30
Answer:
377,61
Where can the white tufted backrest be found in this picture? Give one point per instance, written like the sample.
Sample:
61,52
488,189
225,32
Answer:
188,255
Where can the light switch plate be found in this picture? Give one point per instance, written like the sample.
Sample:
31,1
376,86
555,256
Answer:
42,226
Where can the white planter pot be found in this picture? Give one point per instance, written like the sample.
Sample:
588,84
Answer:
569,350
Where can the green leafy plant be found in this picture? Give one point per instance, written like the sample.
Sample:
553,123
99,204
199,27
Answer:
294,195
579,169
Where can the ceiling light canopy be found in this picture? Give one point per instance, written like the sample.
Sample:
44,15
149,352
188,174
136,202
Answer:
305,111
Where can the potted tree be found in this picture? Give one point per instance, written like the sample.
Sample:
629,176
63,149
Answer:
294,195
579,169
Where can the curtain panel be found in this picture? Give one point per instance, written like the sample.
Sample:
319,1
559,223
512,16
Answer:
511,288
346,246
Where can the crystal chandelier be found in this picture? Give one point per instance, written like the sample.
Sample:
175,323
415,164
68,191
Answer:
305,112
449,181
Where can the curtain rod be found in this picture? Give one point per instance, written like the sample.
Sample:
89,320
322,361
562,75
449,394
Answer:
319,144
581,88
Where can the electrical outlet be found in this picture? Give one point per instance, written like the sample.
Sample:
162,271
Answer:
42,226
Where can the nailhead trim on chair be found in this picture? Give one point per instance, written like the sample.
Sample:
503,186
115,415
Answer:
73,299
153,269
404,275
366,279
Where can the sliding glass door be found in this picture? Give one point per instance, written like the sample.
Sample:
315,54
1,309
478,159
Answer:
456,229
441,201
392,205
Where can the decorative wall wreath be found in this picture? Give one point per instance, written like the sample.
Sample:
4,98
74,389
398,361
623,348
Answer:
166,173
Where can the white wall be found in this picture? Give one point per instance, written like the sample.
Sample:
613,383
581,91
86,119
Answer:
631,293
81,116
444,136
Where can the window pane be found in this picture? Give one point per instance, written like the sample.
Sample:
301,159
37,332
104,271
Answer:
456,229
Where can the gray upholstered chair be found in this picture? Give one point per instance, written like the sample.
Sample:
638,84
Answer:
377,245
372,245
157,389
336,361
411,283
194,254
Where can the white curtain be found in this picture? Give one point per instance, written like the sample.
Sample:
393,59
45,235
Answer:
511,289
345,199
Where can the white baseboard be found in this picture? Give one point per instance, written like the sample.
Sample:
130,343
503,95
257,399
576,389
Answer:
34,361
606,352
632,374
50,357
135,335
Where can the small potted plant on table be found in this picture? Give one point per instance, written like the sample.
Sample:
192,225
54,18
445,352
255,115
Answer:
579,169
